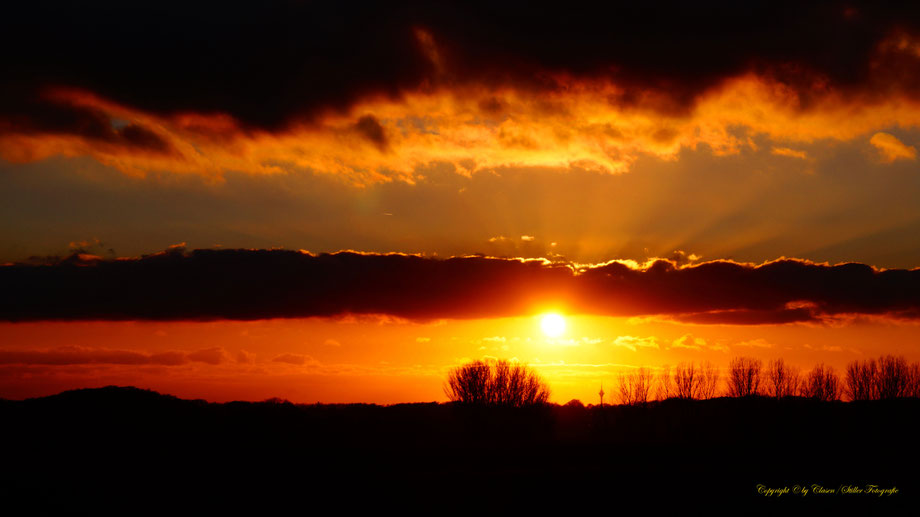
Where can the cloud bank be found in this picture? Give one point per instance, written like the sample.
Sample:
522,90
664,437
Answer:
373,91
258,284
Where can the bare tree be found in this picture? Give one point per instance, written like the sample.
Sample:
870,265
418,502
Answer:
782,380
822,383
861,380
744,377
914,380
709,380
889,377
496,383
687,380
664,389
634,386
469,383
893,377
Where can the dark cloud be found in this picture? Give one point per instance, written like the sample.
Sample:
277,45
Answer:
369,127
262,63
72,355
26,114
783,291
749,317
138,136
268,63
255,284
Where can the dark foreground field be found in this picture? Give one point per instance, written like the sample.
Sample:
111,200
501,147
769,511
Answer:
129,451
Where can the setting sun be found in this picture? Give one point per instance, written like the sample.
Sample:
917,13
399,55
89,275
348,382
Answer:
553,325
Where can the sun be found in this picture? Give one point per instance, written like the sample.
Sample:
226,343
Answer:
553,324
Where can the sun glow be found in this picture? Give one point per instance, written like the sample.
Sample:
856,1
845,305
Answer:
553,325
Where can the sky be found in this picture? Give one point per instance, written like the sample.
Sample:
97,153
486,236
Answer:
339,203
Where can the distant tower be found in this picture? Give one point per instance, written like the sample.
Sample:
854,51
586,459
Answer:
601,393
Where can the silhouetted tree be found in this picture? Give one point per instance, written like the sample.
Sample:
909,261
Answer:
496,383
861,383
893,377
634,386
709,380
914,380
822,384
889,377
664,387
744,377
782,380
687,381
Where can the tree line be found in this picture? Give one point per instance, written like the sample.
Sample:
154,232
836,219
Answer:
887,377
510,384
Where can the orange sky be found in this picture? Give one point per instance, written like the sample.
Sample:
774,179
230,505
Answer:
388,361
754,150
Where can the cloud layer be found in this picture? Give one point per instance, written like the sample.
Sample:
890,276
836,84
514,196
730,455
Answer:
257,284
72,355
372,92
266,64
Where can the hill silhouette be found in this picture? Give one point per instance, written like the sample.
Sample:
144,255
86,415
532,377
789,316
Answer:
111,448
